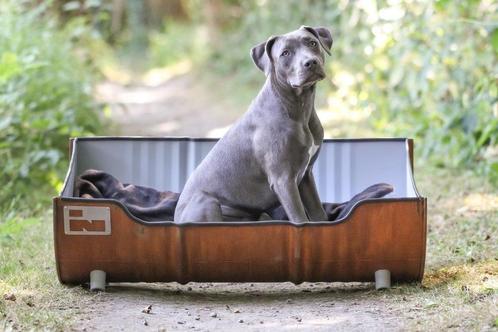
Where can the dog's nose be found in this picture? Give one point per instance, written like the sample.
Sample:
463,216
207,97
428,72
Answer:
310,63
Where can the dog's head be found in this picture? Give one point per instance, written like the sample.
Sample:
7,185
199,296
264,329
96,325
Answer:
296,58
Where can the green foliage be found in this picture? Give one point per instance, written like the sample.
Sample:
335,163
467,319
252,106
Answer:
425,69
175,42
432,75
45,97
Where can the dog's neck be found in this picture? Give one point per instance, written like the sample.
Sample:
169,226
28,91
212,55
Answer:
297,103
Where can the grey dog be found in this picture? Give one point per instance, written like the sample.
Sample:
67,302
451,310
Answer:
266,158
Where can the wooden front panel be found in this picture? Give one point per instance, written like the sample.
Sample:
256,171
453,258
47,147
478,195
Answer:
378,235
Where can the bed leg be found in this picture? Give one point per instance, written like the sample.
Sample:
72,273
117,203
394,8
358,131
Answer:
382,279
97,280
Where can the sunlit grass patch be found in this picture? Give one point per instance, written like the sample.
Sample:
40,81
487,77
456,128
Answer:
462,220
461,296
479,278
481,202
460,286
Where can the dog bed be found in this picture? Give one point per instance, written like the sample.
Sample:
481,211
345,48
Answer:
376,233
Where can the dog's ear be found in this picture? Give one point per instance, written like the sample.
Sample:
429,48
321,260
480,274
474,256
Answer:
323,35
261,55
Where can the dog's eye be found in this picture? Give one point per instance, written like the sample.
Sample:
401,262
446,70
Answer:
313,43
285,53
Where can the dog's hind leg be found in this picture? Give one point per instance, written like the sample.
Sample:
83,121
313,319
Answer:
202,207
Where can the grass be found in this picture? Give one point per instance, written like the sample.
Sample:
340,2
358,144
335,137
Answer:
30,294
459,290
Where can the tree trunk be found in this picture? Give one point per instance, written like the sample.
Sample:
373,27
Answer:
213,13
158,10
117,18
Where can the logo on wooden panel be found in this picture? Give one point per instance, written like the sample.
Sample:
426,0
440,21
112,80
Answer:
87,220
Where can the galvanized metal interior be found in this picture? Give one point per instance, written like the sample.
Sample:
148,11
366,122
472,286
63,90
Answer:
343,168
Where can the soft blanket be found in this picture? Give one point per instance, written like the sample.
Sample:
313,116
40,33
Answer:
152,205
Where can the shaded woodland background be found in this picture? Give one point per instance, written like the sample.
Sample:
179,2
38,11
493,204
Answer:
423,69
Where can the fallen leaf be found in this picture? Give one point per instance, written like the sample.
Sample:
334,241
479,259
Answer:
147,309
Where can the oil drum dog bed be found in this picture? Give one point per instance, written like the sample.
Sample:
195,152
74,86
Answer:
95,234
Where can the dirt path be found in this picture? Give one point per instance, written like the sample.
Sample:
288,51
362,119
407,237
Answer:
229,307
182,106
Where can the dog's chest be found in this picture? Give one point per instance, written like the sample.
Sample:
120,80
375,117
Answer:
313,149
311,152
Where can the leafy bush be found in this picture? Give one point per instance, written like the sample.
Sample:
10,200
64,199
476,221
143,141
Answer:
45,98
429,71
425,69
